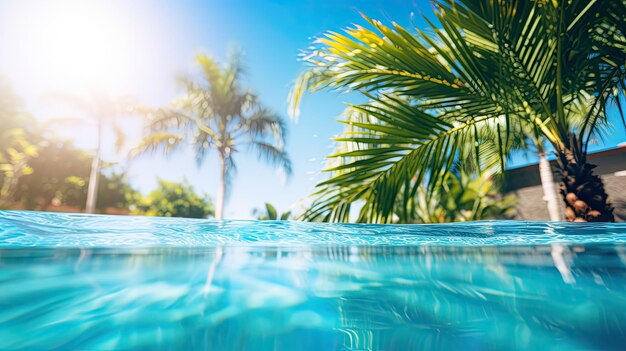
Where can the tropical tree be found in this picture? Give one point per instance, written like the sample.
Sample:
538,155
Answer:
172,199
217,113
530,141
270,213
99,111
459,92
60,173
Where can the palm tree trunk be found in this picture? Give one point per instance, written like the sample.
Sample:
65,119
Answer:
92,189
221,192
547,183
583,192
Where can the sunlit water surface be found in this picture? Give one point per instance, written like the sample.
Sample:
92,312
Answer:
104,282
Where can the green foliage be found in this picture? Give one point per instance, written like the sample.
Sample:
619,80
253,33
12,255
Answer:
60,172
458,93
114,191
459,198
173,199
270,214
14,163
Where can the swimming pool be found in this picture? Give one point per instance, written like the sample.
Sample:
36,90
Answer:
71,281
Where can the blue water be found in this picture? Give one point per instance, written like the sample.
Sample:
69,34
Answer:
130,283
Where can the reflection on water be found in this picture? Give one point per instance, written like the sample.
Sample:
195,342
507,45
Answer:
553,296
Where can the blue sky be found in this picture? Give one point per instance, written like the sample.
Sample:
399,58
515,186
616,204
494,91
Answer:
144,44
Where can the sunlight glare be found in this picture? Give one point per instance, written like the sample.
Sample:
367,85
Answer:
80,44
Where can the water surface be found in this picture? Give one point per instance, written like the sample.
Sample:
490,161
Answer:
107,282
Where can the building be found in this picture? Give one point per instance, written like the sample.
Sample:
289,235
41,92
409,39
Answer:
524,182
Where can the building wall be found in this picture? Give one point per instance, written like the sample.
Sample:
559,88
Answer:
530,204
526,185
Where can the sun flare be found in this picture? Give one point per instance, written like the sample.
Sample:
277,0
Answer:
80,44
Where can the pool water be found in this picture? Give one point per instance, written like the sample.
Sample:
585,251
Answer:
89,282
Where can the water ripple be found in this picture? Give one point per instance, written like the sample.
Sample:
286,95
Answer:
93,282
39,229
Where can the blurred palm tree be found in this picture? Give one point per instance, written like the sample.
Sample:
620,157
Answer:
216,113
461,92
101,112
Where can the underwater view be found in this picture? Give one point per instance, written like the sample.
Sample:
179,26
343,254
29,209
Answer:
94,282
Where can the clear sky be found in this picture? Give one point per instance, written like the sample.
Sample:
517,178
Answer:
138,48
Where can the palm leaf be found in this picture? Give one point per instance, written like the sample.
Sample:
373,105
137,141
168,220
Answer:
271,212
162,142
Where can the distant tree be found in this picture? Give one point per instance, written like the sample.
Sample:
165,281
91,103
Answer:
114,191
217,113
270,214
102,111
173,199
60,172
36,169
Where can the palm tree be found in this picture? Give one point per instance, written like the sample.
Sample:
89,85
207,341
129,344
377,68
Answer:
216,113
101,112
546,176
461,91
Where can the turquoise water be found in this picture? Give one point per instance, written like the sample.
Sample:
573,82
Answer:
130,283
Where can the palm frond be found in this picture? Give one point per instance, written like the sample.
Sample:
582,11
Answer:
264,123
211,70
272,154
310,80
382,154
161,142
